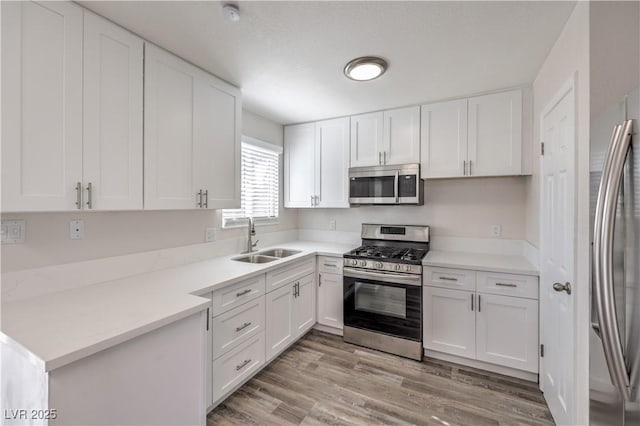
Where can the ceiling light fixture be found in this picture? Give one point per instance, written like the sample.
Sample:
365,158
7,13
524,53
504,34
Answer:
231,12
365,68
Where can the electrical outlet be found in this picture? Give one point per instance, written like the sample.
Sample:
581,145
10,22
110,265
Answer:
209,235
332,224
76,229
496,231
13,231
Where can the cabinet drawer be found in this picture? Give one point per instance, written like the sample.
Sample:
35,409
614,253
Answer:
457,279
284,275
237,365
235,295
507,284
237,325
330,265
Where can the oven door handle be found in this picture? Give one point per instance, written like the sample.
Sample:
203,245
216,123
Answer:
409,279
396,190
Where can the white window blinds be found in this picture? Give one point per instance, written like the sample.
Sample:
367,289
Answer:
259,176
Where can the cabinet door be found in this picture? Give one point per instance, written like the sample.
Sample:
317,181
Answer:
495,134
366,139
330,300
304,310
112,143
299,165
217,142
449,321
42,105
443,139
332,162
401,136
280,330
169,142
507,331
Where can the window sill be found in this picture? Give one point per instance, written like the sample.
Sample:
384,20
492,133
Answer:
258,222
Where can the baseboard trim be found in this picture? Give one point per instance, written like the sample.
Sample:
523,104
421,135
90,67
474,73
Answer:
507,371
327,329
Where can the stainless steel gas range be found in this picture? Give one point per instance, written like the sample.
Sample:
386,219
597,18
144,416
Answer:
383,289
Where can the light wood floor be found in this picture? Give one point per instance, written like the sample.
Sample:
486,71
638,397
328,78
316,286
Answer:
322,380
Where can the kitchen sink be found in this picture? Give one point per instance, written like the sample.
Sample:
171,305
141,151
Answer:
255,258
279,252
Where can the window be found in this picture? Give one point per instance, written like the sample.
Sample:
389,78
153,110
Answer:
259,184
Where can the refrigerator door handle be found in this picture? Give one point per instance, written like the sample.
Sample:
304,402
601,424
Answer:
603,260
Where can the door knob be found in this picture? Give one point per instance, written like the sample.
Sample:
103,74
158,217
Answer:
562,287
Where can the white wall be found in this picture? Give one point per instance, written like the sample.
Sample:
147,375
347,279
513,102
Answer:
452,207
569,57
116,233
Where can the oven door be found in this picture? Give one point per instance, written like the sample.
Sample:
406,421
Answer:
383,302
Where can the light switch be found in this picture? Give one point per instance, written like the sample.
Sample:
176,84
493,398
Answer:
13,231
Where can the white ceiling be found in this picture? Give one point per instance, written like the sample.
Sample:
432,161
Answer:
288,57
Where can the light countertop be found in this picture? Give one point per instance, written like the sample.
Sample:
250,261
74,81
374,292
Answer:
62,327
480,262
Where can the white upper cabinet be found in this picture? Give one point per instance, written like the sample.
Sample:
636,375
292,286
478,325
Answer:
479,136
332,163
42,99
386,137
112,141
495,134
401,136
316,164
192,136
299,165
444,139
367,140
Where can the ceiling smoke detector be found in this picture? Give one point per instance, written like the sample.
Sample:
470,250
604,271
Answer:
365,68
231,12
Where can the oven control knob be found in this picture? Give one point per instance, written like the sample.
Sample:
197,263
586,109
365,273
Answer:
408,268
379,265
363,263
397,267
354,262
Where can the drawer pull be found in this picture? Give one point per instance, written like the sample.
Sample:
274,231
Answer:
448,279
242,293
244,364
330,265
506,285
243,326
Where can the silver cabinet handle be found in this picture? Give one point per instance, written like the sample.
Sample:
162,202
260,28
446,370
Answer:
506,285
606,205
472,301
79,195
479,303
448,279
379,158
243,364
242,293
470,163
243,326
89,195
317,198
199,194
562,287
464,167
319,280
206,199
384,156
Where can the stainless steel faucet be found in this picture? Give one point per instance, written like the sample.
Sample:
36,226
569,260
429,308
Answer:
251,232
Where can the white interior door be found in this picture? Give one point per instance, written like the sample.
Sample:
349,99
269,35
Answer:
557,247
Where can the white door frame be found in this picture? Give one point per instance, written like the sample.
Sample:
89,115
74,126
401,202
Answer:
568,88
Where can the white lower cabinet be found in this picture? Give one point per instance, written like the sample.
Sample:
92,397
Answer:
330,300
304,307
232,368
449,321
279,319
507,331
236,325
494,320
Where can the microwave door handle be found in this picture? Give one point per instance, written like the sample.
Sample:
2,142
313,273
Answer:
395,186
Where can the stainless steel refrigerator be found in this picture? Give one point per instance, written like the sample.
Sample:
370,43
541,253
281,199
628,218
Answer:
614,362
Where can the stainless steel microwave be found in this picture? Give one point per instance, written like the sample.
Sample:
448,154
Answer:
386,185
